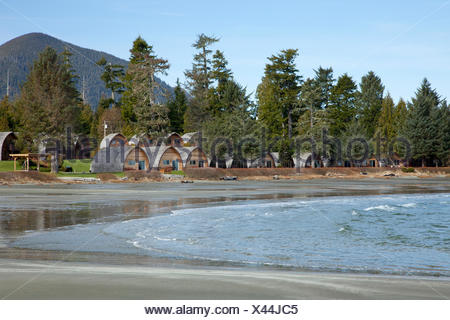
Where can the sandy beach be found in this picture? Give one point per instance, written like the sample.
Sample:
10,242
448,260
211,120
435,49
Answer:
46,280
49,274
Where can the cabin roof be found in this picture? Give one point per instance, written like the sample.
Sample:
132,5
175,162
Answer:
188,136
185,152
155,154
110,137
4,135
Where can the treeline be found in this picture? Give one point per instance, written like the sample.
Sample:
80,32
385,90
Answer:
286,106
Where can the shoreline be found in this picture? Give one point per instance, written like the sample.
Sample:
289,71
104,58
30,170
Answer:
215,175
71,280
121,281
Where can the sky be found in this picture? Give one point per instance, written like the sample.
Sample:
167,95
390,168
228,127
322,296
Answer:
401,41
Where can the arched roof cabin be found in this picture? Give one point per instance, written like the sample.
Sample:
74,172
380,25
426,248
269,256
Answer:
7,144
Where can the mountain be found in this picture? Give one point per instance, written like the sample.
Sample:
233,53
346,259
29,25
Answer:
18,55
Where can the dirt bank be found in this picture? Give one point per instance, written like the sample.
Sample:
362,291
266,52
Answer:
313,173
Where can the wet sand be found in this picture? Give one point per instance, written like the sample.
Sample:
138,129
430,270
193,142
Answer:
28,208
39,280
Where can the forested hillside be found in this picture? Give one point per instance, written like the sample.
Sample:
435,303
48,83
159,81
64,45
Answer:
17,56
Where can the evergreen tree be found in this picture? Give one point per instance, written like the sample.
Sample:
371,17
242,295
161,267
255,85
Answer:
143,90
422,126
269,113
112,75
443,148
369,101
86,119
220,71
49,100
286,153
400,117
224,78
177,108
310,101
199,79
8,118
386,123
278,92
342,110
324,80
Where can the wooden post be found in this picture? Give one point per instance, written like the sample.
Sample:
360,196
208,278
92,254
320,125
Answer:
28,162
38,164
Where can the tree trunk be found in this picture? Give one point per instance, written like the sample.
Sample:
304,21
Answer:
54,163
290,124
423,162
205,68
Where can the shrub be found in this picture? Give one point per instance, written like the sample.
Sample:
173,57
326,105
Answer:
408,170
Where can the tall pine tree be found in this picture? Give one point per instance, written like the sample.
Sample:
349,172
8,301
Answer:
278,93
49,101
143,91
422,126
199,79
342,110
177,108
369,100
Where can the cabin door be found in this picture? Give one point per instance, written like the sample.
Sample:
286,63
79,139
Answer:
175,165
142,165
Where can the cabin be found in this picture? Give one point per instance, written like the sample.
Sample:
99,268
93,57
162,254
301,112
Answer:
277,161
193,157
397,160
174,140
7,144
241,163
268,161
164,158
373,162
190,139
110,159
136,159
224,163
113,140
142,140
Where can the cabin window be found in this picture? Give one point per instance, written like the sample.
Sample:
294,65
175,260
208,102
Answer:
177,142
269,164
166,162
201,164
131,162
192,162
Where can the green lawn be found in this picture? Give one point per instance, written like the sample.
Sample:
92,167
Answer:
179,172
6,165
75,174
86,175
78,166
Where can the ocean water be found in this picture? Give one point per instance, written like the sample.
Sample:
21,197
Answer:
398,234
